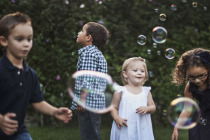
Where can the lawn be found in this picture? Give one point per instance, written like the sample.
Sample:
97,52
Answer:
71,132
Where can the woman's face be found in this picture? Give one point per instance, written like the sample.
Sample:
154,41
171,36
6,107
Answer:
197,75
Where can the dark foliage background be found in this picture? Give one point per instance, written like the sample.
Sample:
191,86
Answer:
57,22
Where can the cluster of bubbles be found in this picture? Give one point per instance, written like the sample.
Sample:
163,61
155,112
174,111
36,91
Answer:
159,33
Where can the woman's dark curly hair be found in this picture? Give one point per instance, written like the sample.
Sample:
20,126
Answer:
196,57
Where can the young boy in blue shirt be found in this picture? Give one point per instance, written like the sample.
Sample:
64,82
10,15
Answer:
92,36
19,85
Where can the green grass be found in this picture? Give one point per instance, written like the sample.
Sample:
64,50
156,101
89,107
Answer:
71,132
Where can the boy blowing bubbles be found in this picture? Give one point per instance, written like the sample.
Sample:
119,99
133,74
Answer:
19,85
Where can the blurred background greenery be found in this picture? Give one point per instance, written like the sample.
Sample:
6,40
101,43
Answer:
54,54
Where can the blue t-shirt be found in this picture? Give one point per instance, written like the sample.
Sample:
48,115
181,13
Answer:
18,89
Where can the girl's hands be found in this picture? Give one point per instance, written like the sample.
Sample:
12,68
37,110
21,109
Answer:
142,110
121,122
7,123
175,134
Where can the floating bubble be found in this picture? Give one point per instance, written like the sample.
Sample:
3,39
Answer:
156,10
170,53
13,1
154,45
158,52
159,34
173,7
151,74
66,2
101,21
141,40
82,6
92,90
194,4
184,1
183,113
205,8
162,17
149,51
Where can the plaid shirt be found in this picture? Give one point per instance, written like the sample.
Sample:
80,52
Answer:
90,58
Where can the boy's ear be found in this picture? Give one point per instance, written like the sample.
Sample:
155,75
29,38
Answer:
3,41
89,38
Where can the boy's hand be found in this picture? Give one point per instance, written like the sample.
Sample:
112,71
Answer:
64,114
80,109
7,124
142,110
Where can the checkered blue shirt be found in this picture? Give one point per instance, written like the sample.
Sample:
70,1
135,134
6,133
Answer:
91,58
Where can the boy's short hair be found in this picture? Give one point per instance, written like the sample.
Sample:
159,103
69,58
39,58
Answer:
9,21
99,33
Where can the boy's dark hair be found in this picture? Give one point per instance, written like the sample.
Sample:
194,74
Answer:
9,21
196,57
99,33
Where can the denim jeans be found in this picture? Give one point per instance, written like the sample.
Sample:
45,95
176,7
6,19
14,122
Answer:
89,124
23,136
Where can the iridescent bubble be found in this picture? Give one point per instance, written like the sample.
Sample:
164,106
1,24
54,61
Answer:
158,52
66,2
154,45
101,21
156,10
141,39
184,1
170,53
82,6
159,34
164,112
149,51
58,77
92,90
173,7
183,113
162,17
205,8
13,1
194,4
99,1
151,74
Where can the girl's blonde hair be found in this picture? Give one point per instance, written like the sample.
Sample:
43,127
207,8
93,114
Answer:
126,64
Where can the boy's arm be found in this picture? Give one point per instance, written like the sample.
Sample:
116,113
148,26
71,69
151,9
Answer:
64,114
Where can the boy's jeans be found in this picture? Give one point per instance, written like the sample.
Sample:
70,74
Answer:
89,124
23,136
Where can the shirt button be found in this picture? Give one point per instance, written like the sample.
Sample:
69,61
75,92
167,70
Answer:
18,72
21,83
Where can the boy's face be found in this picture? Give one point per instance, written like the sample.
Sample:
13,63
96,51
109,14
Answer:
19,42
83,38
